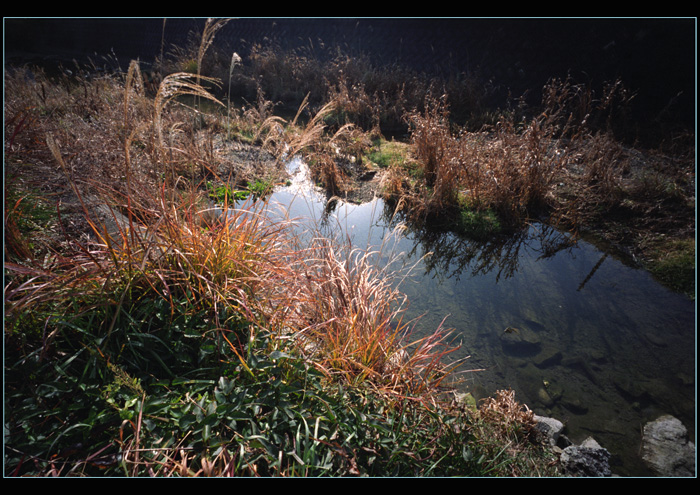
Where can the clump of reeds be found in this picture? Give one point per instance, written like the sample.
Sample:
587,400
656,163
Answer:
435,148
311,140
354,327
511,167
511,171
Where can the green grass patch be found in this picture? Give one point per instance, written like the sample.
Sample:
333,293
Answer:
272,415
225,194
477,224
387,154
28,220
674,265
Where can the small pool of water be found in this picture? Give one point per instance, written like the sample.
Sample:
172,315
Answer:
574,331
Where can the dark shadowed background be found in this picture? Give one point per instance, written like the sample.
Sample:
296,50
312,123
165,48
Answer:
655,57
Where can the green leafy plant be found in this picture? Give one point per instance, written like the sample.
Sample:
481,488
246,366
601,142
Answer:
225,194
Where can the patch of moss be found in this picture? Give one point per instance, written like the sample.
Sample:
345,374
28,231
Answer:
478,224
673,264
387,154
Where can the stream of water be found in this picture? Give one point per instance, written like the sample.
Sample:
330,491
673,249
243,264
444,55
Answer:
577,334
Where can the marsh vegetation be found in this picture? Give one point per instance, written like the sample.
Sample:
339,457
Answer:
148,334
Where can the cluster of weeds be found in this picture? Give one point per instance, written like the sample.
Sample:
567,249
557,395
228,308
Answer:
508,437
355,327
226,194
29,221
508,169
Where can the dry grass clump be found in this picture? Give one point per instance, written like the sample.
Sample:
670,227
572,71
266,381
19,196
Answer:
329,152
175,254
111,132
505,412
507,170
511,171
354,327
93,120
515,166
434,148
508,430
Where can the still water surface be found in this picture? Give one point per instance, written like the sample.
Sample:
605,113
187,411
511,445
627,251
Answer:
591,341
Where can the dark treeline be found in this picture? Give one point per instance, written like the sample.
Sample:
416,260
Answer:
654,58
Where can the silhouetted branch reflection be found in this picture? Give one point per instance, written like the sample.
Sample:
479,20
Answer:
451,255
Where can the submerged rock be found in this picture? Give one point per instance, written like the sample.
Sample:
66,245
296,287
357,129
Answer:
544,398
520,342
575,405
550,356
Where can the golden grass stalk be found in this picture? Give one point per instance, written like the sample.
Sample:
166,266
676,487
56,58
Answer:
313,131
211,27
174,86
133,79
